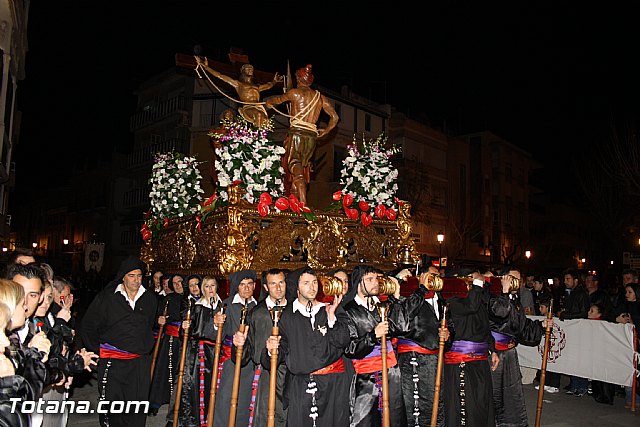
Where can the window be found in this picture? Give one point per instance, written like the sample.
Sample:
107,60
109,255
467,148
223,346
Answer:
367,122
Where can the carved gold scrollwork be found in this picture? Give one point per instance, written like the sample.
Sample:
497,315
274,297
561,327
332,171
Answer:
273,243
325,242
146,255
186,246
236,254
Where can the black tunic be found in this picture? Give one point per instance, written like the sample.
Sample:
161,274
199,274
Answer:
468,385
167,362
221,419
305,349
260,326
365,393
507,317
196,378
418,370
110,319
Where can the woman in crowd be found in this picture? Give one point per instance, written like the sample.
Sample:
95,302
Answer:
194,401
629,312
12,309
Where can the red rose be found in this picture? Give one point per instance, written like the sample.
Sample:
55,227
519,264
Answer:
265,198
366,219
391,214
347,200
337,195
166,223
351,213
146,235
282,204
263,209
380,210
364,206
236,182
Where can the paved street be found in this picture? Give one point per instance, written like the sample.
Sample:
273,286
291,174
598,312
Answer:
559,410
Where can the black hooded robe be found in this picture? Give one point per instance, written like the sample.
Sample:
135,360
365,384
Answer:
110,319
365,351
168,360
231,326
418,345
467,385
510,327
316,384
196,380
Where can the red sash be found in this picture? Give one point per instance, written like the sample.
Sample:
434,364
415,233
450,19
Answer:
505,347
172,330
334,368
373,362
452,357
405,347
107,351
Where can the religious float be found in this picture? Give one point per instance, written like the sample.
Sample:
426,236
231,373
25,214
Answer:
257,218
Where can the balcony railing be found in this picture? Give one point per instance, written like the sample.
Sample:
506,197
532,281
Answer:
153,113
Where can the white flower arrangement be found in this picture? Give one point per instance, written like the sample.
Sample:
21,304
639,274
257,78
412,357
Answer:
368,175
175,186
245,156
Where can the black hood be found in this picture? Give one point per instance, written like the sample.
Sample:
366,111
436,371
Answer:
356,277
237,277
263,281
129,264
292,280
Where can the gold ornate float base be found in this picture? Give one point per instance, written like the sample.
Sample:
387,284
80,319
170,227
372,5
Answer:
236,237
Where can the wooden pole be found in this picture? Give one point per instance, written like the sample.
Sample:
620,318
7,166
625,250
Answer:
214,372
156,348
183,356
436,388
273,372
236,373
543,368
382,309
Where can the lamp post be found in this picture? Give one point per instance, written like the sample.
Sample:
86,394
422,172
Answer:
440,237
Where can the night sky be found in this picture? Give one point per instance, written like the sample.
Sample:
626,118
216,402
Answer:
549,79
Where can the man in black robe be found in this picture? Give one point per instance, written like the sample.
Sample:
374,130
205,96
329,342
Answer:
366,329
312,339
240,295
510,327
417,348
119,325
467,373
260,323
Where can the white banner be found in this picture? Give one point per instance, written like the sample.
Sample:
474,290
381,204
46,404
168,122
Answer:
93,254
593,349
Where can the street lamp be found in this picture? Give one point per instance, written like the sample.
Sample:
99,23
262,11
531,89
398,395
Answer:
440,237
34,244
527,254
65,241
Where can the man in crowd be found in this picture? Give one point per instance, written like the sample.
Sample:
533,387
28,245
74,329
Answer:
240,296
253,340
417,349
510,327
312,338
119,325
22,256
468,394
576,306
366,329
34,345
